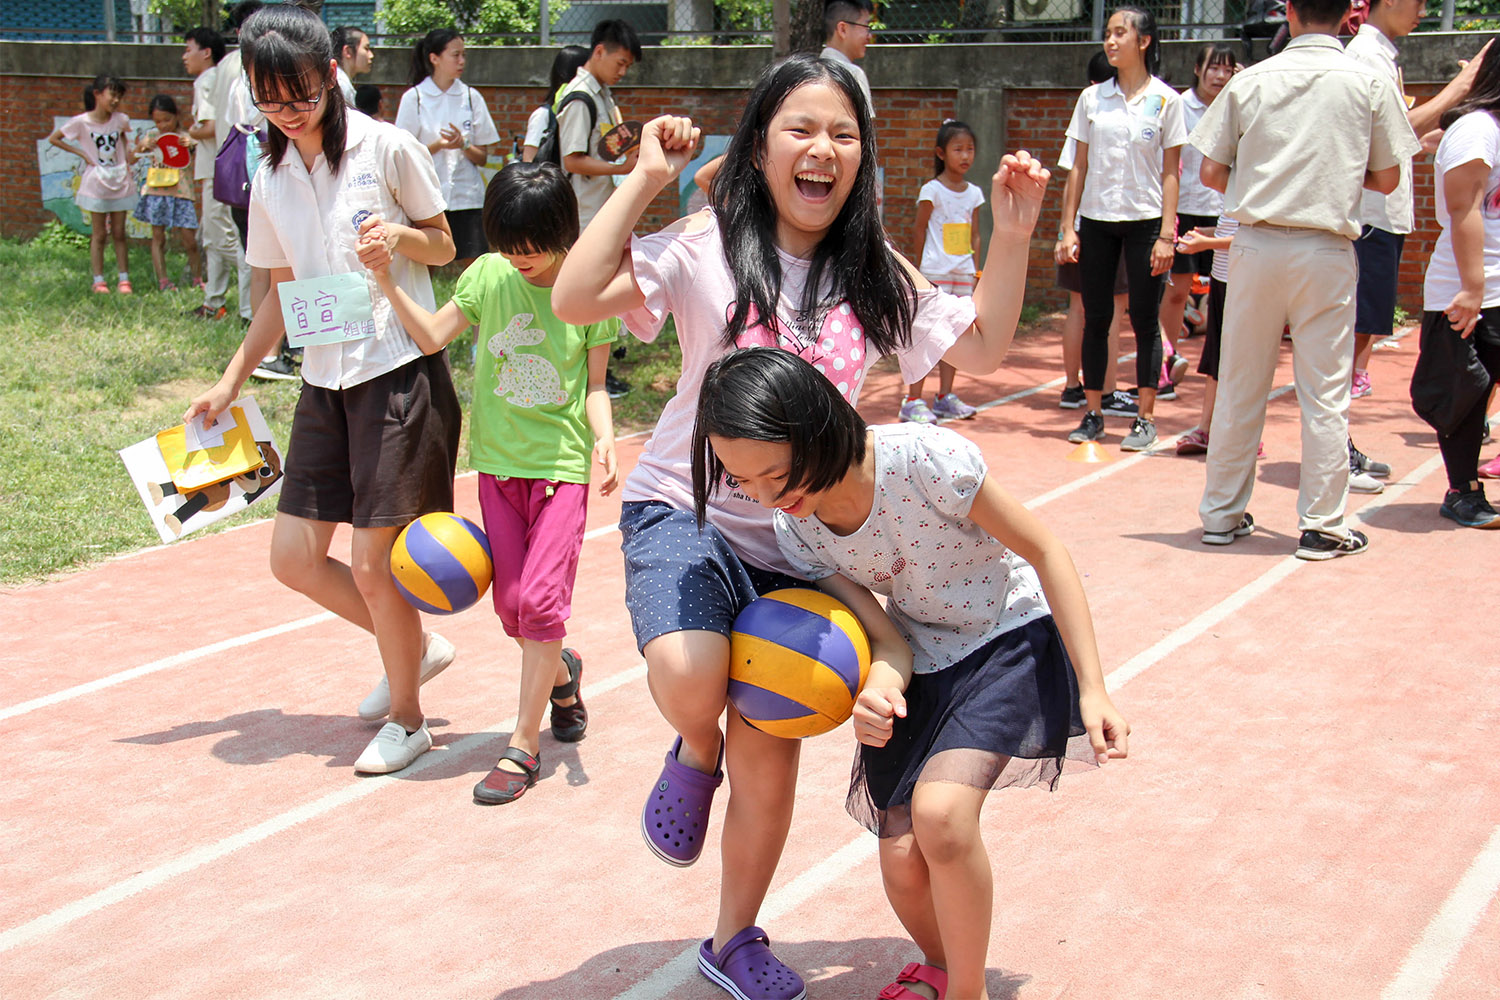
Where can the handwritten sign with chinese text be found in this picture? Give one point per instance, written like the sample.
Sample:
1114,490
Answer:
331,309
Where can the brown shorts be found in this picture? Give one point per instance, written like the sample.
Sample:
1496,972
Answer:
378,454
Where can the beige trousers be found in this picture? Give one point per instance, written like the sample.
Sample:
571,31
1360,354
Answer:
1304,278
221,246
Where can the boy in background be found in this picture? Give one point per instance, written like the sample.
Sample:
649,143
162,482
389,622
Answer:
202,50
1292,142
846,35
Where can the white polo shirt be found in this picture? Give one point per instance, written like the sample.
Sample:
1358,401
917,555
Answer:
203,111
831,53
1193,198
425,111
304,219
573,136
1126,140
1393,212
346,85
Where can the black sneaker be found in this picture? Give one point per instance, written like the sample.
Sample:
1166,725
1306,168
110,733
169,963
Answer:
1091,429
281,369
1119,404
1317,546
1072,398
615,387
1470,509
1245,527
1360,462
1166,391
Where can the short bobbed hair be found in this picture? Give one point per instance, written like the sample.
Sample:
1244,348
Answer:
530,208
767,394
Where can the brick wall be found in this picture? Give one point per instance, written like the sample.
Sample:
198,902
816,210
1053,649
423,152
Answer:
909,118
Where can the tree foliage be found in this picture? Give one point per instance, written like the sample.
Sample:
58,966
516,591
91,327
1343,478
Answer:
482,17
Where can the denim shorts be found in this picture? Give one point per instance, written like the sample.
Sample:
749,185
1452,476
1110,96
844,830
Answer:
681,578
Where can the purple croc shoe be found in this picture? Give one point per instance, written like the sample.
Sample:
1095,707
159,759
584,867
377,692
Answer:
676,815
747,969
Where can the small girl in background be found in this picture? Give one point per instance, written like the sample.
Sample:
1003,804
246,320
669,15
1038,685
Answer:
947,246
984,666
539,401
167,196
106,190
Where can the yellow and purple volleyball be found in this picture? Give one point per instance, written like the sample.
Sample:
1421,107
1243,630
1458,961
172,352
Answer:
797,659
441,563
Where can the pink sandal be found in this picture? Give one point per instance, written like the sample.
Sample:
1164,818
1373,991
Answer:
916,973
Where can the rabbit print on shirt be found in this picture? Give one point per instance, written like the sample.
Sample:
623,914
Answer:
529,380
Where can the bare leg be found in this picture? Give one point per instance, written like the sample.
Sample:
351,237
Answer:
117,234
1206,413
908,886
688,674
98,221
1072,338
945,378
945,818
1364,343
300,560
541,666
762,787
914,389
189,239
159,252
398,625
1173,304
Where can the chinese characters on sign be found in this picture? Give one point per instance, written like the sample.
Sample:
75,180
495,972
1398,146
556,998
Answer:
330,309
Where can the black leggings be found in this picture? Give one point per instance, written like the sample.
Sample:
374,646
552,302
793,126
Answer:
1100,245
1461,448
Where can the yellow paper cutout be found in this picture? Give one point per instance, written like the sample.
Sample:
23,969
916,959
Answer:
197,469
956,239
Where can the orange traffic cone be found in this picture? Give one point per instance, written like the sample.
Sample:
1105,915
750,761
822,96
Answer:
1090,451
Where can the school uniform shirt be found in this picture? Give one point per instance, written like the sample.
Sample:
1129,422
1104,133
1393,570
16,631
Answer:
536,127
1126,140
1298,132
952,586
573,136
948,228
1393,212
346,85
1193,196
203,111
425,111
1475,136
106,177
829,52
685,274
531,375
303,219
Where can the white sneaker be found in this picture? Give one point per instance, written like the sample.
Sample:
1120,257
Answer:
1360,482
436,656
393,748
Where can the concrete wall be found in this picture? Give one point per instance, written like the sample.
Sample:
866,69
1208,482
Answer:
1015,95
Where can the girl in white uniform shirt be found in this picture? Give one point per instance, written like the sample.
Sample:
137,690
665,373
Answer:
451,119
1130,133
1198,207
374,439
565,66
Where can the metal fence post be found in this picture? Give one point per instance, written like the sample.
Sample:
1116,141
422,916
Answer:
1098,20
1447,22
546,25
109,20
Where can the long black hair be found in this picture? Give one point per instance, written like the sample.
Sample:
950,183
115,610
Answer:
767,394
947,132
287,52
1144,23
431,44
564,67
853,258
1484,94
102,82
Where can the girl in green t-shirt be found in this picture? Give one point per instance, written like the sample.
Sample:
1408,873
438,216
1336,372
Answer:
540,414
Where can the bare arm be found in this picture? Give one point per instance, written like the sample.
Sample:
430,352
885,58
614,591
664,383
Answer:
429,331
704,178
882,698
597,280
202,130
1214,175
1010,523
56,139
426,241
1384,181
1016,200
919,237
600,413
592,166
1463,194
1067,241
477,155
528,154
976,242
1165,246
266,329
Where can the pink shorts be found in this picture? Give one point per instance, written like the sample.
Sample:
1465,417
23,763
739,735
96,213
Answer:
535,527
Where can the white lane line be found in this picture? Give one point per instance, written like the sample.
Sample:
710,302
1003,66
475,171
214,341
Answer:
175,660
1429,959
681,968
209,853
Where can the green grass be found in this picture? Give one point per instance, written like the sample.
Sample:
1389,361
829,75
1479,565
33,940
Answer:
84,375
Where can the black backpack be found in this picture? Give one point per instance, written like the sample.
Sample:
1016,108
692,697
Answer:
549,150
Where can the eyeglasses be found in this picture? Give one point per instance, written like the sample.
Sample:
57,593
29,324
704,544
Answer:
859,24
275,107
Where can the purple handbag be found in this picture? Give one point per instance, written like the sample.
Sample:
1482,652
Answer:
231,173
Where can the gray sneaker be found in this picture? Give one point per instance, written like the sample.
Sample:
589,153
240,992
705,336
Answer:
1142,435
1245,527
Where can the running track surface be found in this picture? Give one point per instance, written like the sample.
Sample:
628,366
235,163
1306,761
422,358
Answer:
1311,808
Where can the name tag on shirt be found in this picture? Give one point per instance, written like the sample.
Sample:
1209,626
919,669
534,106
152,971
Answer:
332,309
956,238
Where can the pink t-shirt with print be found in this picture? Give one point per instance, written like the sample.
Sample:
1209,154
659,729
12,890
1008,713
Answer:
107,176
685,274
